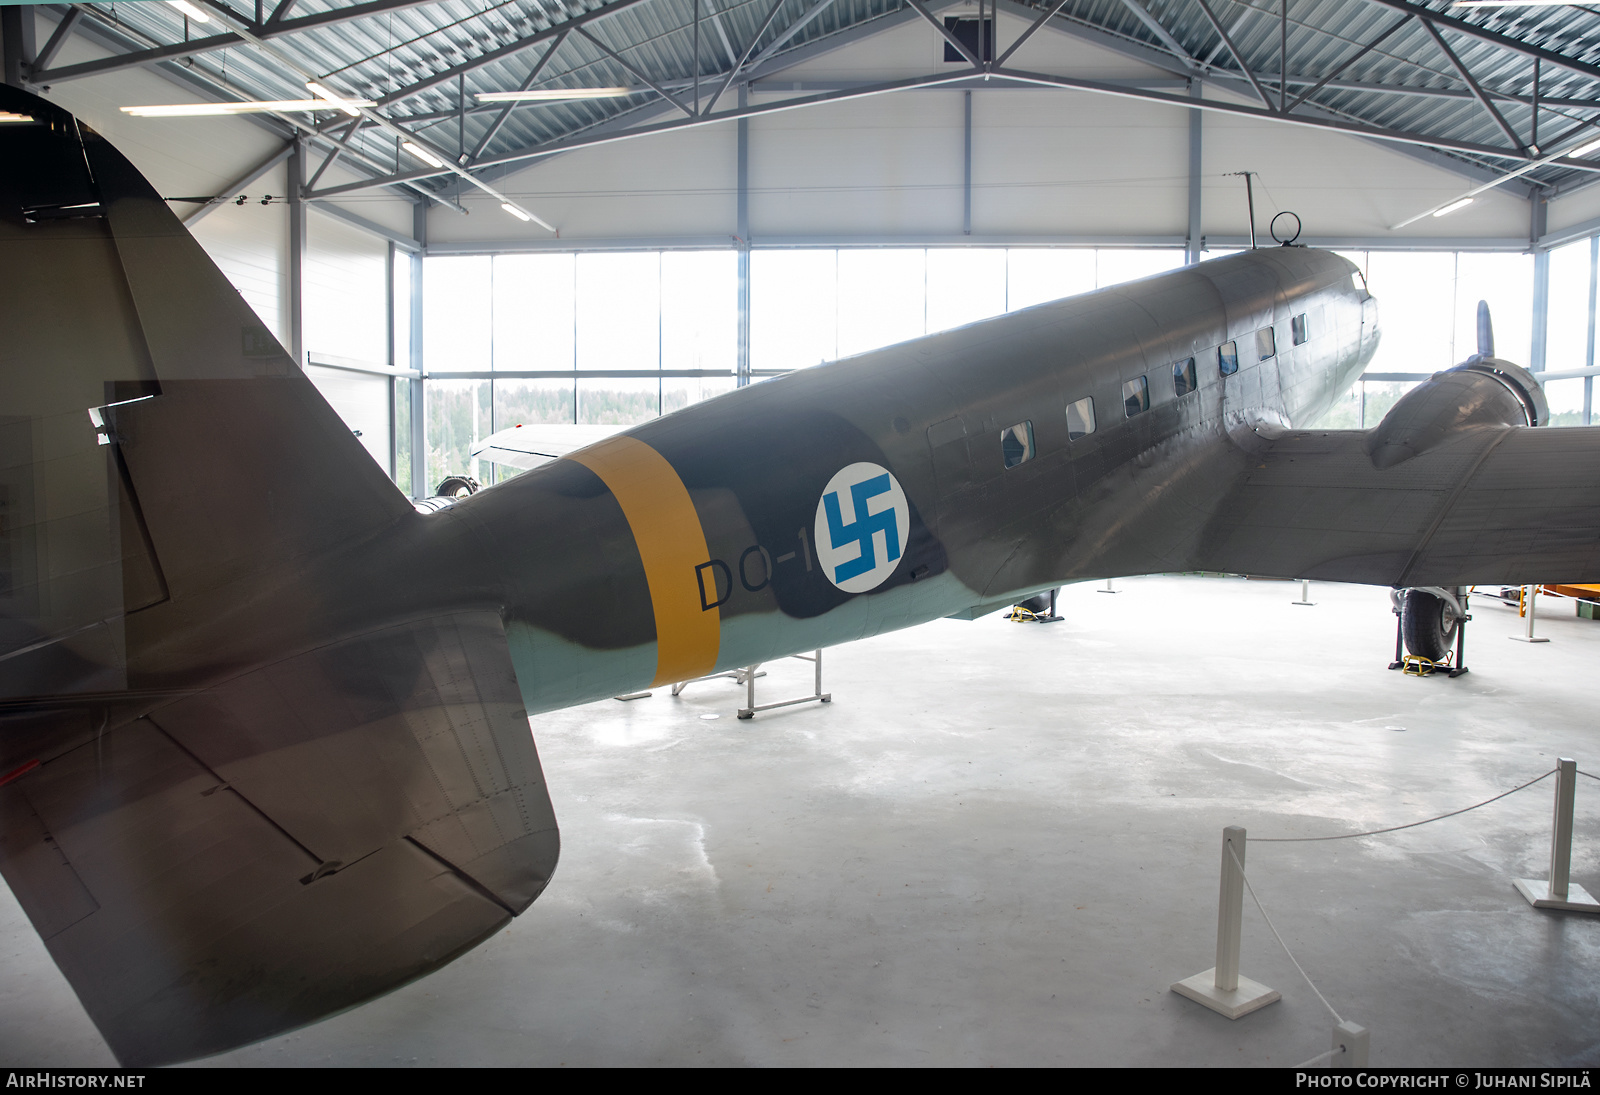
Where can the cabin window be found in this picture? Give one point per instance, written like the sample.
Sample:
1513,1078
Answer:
1266,344
1136,396
1183,377
1228,358
1016,442
1080,418
1299,330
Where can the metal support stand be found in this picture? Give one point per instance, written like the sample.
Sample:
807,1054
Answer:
1221,988
1399,639
1560,892
1052,618
818,695
1305,593
1354,1043
1461,642
1530,600
1108,588
736,675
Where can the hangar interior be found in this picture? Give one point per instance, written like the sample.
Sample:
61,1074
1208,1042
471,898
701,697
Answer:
750,188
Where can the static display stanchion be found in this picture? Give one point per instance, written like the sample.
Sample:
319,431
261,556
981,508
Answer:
1530,599
1221,988
1305,593
1353,1043
1560,892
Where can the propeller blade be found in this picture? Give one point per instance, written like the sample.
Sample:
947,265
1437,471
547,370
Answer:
1485,330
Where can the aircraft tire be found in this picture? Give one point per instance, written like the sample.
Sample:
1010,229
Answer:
1429,625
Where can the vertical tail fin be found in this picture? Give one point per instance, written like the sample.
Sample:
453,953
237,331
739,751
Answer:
155,440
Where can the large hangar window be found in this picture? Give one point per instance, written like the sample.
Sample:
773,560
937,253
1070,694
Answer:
1428,304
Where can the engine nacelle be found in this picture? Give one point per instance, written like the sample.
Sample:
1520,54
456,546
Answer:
1481,391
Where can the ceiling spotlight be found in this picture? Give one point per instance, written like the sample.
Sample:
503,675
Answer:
515,212
7,116
215,110
190,10
422,154
552,94
1452,207
346,105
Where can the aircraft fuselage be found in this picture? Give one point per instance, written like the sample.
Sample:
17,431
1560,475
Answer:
702,540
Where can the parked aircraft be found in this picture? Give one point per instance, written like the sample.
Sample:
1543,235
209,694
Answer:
264,739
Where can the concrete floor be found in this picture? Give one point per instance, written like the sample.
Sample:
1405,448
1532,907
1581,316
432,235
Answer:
999,846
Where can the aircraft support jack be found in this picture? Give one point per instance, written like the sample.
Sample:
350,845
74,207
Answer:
738,676
1221,988
748,711
1560,892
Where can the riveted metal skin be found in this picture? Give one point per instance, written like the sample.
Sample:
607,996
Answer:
264,746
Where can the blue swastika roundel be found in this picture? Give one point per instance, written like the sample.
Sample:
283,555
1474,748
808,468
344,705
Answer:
862,522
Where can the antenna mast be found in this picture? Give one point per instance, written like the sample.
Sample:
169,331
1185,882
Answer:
1250,203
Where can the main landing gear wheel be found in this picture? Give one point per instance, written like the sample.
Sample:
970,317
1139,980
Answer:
1429,624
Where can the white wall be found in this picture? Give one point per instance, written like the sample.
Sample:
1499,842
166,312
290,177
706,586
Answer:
1047,163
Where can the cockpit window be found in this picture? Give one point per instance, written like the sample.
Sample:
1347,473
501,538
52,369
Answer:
1266,344
1183,377
1228,358
1136,396
1016,443
1080,418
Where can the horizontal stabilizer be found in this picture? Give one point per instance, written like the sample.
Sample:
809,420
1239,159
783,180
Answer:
288,844
527,445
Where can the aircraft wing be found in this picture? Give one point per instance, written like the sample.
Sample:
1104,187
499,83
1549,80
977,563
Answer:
527,445
1490,504
252,857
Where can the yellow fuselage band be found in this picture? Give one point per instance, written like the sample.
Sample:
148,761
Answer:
671,544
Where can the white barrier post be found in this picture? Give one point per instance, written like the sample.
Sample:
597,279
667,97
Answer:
1221,988
1560,892
1528,602
1305,593
1355,1043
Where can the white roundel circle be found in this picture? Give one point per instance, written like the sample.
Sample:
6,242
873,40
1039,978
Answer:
863,519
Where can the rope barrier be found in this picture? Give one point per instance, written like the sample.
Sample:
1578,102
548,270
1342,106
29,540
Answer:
1397,828
1279,938
1591,775
1321,1058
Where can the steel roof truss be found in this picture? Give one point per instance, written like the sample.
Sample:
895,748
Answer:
957,44
57,40
1344,65
637,72
1041,21
500,119
198,46
777,6
1244,66
1472,30
1477,92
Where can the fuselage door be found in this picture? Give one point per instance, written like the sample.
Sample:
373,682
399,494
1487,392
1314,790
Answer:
949,448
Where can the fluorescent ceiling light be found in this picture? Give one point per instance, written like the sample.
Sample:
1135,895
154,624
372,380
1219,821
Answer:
212,110
515,212
190,10
1452,207
422,154
7,116
1510,3
346,105
1583,150
552,94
